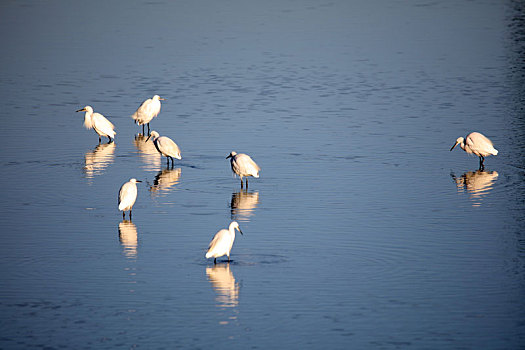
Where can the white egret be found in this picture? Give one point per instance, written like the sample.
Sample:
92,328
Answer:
99,123
222,242
478,144
127,196
148,110
165,146
243,166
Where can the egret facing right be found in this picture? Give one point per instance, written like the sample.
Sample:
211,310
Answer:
127,196
478,144
222,242
243,166
148,110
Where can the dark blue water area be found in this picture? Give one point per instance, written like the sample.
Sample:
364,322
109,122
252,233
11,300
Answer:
363,231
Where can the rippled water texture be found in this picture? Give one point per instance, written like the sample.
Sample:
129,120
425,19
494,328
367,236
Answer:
363,231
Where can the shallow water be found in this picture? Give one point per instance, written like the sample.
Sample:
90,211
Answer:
363,230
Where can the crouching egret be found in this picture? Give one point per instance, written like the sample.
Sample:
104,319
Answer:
222,242
478,144
243,166
127,196
165,146
148,110
99,123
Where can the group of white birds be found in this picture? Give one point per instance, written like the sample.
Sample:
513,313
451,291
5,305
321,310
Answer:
241,164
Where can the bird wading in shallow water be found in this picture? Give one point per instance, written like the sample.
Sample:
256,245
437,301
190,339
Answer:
222,242
477,144
127,196
99,123
165,146
148,110
243,166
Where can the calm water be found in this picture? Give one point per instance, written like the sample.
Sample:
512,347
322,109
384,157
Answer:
363,230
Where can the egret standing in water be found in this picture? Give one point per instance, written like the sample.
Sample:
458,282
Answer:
127,196
97,121
148,110
243,166
478,144
222,242
165,146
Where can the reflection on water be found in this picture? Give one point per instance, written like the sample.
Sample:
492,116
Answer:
147,152
224,284
98,159
127,233
164,181
243,205
476,183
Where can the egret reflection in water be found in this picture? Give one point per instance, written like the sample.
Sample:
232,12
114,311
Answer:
477,183
165,181
224,284
97,160
147,152
243,205
128,237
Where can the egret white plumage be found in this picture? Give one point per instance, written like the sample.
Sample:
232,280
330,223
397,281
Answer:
165,146
478,144
127,196
99,123
243,166
222,242
148,110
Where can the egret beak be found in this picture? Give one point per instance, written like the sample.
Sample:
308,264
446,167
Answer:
162,99
81,110
138,181
240,231
457,143
229,156
148,138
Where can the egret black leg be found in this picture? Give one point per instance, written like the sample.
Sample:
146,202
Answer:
481,160
130,215
99,139
123,214
246,182
143,129
215,260
148,130
242,185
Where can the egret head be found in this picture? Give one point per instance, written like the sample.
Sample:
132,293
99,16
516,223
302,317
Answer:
235,226
155,135
134,181
459,141
86,109
232,154
157,97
